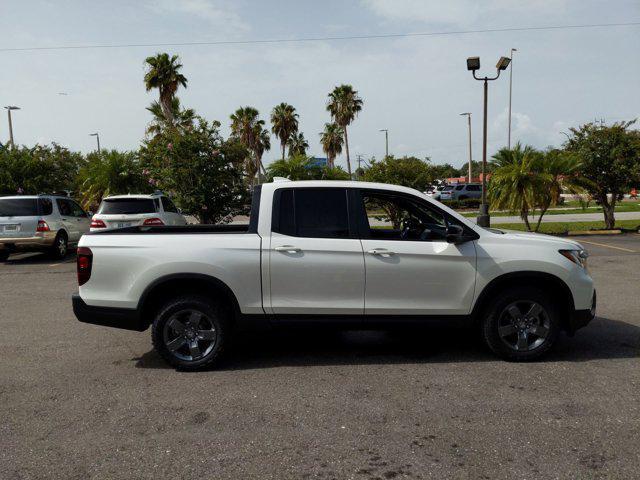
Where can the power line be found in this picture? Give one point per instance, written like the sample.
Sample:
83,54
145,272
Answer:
318,39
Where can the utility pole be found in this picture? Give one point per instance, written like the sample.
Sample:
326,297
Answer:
468,114
9,108
97,135
386,141
510,89
359,156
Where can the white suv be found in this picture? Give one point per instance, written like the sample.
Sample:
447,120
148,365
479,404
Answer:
122,211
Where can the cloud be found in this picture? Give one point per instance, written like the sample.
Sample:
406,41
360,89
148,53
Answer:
464,12
219,13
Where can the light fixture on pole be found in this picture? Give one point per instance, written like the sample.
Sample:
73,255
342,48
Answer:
97,135
468,115
473,65
386,141
510,89
9,108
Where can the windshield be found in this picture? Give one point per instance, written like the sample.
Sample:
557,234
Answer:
127,205
18,207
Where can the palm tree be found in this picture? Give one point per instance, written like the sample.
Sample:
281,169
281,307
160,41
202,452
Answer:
344,105
516,184
263,144
297,144
284,123
183,118
249,129
332,140
297,167
164,74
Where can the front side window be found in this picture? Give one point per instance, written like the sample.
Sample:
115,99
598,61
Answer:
76,210
399,217
312,212
64,207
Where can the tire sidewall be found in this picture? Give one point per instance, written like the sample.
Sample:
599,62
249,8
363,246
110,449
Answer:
495,309
216,314
55,252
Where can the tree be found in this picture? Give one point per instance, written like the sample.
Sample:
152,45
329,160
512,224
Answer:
199,169
284,123
247,127
443,171
297,144
332,139
39,169
344,105
515,184
163,73
610,162
183,118
262,144
407,171
301,167
110,173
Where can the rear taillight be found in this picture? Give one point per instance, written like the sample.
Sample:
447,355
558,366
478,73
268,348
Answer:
84,261
42,226
153,221
97,223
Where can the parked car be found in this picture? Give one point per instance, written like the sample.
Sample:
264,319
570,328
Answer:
355,254
122,211
463,191
436,193
49,223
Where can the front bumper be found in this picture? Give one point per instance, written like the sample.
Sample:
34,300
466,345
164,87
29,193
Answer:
581,318
125,318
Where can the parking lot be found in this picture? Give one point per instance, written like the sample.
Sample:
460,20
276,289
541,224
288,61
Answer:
81,401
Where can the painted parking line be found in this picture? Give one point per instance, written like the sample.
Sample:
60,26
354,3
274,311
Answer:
608,246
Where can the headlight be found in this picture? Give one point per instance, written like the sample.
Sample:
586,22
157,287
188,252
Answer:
579,257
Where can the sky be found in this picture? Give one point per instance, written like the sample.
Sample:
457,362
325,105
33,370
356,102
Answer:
413,86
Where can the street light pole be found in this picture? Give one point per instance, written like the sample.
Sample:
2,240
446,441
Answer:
9,108
386,141
97,135
468,114
510,89
473,64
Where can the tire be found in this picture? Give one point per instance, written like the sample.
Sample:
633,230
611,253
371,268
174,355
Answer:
4,256
60,246
521,324
175,327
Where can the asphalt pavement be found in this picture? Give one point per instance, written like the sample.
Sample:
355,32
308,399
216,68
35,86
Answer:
82,401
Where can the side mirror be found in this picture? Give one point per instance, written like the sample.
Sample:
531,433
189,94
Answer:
455,234
179,211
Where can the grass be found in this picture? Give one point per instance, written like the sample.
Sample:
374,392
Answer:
623,207
559,228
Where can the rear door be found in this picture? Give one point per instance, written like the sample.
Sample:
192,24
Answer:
316,265
410,267
83,222
65,207
18,217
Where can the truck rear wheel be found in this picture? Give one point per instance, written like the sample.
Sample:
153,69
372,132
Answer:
521,324
190,332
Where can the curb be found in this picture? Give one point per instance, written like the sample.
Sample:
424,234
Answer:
594,232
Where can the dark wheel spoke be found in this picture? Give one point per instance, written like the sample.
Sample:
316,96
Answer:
540,330
194,319
515,312
523,341
507,330
207,334
175,344
176,325
534,311
194,349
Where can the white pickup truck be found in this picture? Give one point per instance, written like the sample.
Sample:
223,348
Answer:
358,255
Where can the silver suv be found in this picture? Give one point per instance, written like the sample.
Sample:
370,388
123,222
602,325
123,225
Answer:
49,223
462,191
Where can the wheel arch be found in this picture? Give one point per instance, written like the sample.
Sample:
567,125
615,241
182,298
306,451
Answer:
547,282
182,283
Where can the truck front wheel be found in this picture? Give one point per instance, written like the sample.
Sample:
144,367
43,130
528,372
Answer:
521,324
190,332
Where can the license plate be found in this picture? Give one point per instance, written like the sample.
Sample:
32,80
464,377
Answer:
11,228
124,224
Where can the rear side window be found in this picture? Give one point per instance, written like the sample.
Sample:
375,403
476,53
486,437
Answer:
124,206
312,212
46,206
168,205
474,188
18,207
460,187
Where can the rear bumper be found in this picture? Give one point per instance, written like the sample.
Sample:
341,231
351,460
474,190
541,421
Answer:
26,243
125,318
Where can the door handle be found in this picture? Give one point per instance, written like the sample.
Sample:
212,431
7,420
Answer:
287,248
383,252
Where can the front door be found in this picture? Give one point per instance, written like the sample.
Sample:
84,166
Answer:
410,268
315,264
